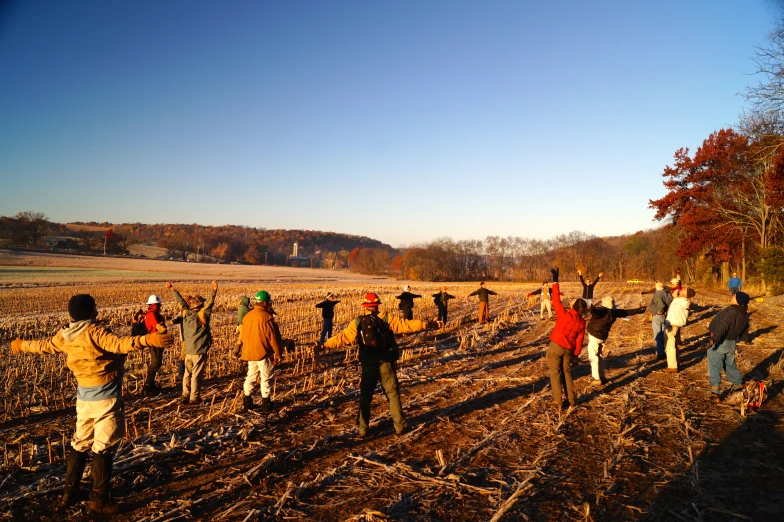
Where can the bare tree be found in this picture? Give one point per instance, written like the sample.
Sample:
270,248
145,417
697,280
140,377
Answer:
34,225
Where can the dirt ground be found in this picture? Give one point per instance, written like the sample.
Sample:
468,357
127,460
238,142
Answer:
485,442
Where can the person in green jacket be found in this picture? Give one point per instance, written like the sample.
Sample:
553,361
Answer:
484,302
198,339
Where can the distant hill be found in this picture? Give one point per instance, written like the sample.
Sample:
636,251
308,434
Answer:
236,243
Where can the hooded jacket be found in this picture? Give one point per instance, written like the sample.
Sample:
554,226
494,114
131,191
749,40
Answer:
260,335
569,328
196,325
243,309
441,299
93,353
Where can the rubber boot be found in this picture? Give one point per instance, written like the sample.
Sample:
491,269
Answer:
74,470
247,403
266,405
100,503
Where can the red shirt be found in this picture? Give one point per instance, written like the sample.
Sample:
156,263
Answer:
569,328
153,318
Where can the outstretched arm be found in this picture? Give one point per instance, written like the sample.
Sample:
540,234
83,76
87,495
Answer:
347,336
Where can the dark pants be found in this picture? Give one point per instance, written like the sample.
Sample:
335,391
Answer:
156,359
408,313
372,373
559,360
442,313
326,330
734,290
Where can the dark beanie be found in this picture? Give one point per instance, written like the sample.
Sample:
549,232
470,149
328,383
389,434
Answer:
81,307
742,298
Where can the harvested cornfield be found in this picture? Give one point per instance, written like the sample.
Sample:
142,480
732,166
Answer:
485,442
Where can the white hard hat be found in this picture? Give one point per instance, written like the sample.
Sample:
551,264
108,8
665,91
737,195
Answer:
154,299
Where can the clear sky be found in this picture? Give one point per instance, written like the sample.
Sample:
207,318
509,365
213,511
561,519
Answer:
402,121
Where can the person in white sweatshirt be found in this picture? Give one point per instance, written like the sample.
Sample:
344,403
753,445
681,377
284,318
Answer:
677,315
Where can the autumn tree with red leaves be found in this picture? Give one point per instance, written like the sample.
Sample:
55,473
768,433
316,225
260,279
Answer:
726,195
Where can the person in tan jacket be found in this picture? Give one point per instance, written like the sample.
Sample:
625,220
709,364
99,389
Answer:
260,345
378,354
96,357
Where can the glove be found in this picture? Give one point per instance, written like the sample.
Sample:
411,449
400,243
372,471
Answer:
16,346
161,328
237,350
575,359
554,271
157,340
529,294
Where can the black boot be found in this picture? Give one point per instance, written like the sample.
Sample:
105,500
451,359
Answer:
73,476
266,405
247,403
100,503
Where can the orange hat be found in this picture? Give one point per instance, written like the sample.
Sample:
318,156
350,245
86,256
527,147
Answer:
371,300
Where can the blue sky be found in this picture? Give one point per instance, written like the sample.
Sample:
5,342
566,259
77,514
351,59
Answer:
402,121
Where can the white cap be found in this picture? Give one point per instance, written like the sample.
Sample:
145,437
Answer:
608,301
406,288
154,299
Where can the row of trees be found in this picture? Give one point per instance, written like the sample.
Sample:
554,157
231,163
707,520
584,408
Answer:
26,228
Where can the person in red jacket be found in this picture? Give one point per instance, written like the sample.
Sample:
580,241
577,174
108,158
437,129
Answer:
154,322
566,342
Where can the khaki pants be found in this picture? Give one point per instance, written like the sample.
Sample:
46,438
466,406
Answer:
559,360
372,373
672,345
595,346
484,312
191,380
100,425
258,369
546,303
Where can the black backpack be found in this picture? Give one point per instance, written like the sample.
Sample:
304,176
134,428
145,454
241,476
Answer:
139,328
375,335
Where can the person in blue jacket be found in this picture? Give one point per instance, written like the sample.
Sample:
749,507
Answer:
735,285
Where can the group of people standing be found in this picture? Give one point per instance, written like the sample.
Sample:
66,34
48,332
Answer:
96,356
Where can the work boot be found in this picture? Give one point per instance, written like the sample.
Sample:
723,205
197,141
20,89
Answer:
73,477
266,405
100,503
247,403
185,399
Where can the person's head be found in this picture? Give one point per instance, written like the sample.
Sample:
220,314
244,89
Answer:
482,284
262,298
443,288
82,307
195,302
544,283
659,285
687,292
371,302
330,295
580,306
741,298
734,274
608,301
154,301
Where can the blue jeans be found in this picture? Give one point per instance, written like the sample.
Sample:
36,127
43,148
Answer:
659,334
722,357
326,330
734,290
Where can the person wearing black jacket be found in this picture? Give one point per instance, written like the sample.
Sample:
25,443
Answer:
588,287
602,319
441,300
407,303
727,327
327,313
